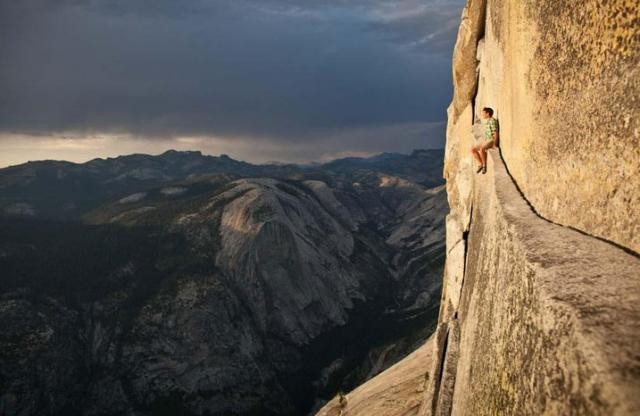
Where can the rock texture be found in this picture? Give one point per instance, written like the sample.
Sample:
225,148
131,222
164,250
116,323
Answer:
542,276
216,294
565,84
399,391
540,307
65,191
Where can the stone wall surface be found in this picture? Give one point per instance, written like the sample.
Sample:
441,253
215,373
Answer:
564,79
539,311
549,317
398,391
548,322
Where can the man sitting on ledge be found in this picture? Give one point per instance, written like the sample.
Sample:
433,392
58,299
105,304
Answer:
492,138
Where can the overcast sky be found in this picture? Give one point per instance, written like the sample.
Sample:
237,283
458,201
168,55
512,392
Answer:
288,80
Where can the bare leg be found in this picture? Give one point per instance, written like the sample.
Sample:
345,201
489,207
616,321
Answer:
483,152
476,155
483,156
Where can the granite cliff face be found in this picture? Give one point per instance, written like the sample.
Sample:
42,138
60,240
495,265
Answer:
542,278
213,293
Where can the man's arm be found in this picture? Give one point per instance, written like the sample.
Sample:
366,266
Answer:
496,138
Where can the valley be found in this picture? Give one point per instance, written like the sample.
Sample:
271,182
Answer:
192,284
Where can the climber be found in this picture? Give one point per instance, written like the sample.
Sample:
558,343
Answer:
492,139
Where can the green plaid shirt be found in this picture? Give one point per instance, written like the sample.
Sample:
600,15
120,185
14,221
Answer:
492,127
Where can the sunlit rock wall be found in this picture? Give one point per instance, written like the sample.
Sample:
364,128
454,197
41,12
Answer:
539,311
546,315
564,79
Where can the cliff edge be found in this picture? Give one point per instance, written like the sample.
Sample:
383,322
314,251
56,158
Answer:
539,311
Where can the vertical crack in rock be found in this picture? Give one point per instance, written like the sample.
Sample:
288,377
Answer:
437,368
465,239
448,370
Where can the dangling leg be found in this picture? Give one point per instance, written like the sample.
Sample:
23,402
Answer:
475,151
483,155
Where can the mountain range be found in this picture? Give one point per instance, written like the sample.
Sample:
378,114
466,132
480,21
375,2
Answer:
193,284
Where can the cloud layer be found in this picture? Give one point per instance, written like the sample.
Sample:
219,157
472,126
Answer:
308,77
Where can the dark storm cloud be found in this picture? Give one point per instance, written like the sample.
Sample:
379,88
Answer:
430,31
281,70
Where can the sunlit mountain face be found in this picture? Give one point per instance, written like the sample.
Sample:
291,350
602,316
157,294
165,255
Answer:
193,284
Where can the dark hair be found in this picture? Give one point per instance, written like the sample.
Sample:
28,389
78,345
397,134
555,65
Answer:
488,110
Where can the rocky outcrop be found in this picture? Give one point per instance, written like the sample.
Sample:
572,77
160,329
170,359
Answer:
216,295
542,277
398,391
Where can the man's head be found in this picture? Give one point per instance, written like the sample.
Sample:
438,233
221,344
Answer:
487,112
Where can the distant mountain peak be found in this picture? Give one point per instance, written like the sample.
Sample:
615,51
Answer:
173,152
